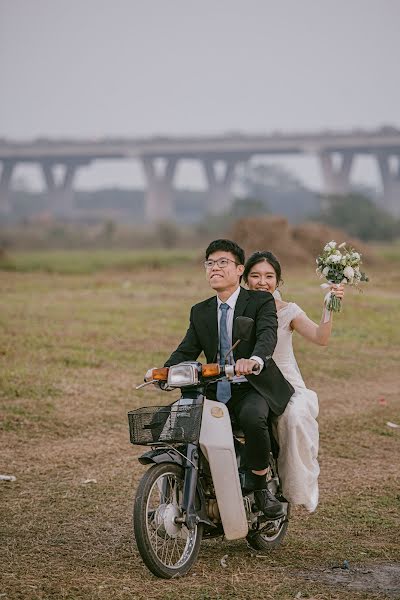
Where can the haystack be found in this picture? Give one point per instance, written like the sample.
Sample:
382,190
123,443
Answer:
312,237
292,245
270,233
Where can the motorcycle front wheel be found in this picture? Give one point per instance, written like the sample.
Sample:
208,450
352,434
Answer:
168,548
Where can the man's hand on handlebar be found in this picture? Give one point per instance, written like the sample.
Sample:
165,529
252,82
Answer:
246,366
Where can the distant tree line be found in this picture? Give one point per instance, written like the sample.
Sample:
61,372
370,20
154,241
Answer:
359,216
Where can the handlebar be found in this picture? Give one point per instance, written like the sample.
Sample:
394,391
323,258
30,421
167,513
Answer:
208,372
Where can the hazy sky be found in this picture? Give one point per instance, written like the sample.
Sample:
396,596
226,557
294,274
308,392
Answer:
82,68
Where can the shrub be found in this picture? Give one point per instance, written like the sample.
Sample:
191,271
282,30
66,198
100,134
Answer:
359,216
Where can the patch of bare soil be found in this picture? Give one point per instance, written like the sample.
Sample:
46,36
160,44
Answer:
373,579
343,400
295,245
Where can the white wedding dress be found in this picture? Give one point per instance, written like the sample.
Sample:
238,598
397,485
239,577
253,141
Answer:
297,427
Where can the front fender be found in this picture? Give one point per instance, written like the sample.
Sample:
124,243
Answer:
161,455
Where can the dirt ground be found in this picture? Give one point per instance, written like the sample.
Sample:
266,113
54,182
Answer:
383,579
72,349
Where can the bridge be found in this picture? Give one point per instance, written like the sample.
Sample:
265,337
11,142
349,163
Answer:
219,156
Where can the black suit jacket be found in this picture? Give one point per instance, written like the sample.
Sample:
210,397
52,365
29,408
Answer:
202,336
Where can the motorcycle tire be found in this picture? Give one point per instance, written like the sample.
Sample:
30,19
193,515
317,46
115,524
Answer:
270,539
155,528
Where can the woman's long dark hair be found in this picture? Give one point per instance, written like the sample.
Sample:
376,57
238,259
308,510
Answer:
264,256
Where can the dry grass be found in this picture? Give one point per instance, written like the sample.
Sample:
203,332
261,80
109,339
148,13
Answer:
73,346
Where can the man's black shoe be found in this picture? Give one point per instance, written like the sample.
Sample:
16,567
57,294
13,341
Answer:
268,504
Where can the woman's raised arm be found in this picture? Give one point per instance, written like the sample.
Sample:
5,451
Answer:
318,334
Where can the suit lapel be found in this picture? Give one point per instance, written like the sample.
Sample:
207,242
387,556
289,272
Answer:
211,323
240,307
241,304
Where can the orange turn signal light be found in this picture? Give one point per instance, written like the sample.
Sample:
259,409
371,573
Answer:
160,374
211,370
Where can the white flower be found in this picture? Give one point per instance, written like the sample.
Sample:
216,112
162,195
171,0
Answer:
355,256
344,280
348,272
330,246
342,245
334,258
325,271
343,261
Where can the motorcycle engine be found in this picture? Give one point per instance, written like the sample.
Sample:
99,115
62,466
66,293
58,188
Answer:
213,510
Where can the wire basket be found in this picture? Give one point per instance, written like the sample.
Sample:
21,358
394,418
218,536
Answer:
170,424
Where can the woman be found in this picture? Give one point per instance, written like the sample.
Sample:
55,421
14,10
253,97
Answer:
297,428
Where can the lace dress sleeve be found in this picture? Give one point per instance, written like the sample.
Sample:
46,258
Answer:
295,311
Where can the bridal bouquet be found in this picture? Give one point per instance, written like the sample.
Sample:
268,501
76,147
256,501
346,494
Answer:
339,264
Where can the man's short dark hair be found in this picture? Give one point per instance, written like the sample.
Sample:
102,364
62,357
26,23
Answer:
226,246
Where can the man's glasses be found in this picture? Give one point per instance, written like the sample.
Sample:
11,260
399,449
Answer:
222,263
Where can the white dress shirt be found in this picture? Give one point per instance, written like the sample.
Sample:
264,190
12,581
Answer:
231,302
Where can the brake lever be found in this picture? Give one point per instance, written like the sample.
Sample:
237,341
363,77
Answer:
138,387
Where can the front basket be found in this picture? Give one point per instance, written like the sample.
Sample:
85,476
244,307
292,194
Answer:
170,424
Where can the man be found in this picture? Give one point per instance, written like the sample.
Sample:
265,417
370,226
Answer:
250,396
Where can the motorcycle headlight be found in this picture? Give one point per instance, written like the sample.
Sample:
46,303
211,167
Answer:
183,374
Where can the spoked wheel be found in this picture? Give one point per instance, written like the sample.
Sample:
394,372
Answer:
272,534
168,548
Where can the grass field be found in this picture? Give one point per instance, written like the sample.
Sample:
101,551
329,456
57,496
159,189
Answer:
78,331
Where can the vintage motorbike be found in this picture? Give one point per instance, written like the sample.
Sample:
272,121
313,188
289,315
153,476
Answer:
197,485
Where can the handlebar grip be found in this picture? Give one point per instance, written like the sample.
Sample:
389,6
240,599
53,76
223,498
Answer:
255,369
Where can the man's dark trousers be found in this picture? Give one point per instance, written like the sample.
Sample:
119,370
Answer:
250,413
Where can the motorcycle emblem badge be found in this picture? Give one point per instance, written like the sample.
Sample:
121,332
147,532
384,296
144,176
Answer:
217,412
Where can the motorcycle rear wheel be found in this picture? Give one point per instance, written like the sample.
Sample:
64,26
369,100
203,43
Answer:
167,548
272,537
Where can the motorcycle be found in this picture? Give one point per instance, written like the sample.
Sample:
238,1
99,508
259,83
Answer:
197,486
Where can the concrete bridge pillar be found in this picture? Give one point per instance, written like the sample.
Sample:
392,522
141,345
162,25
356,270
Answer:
160,197
336,177
389,166
5,181
219,185
61,191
